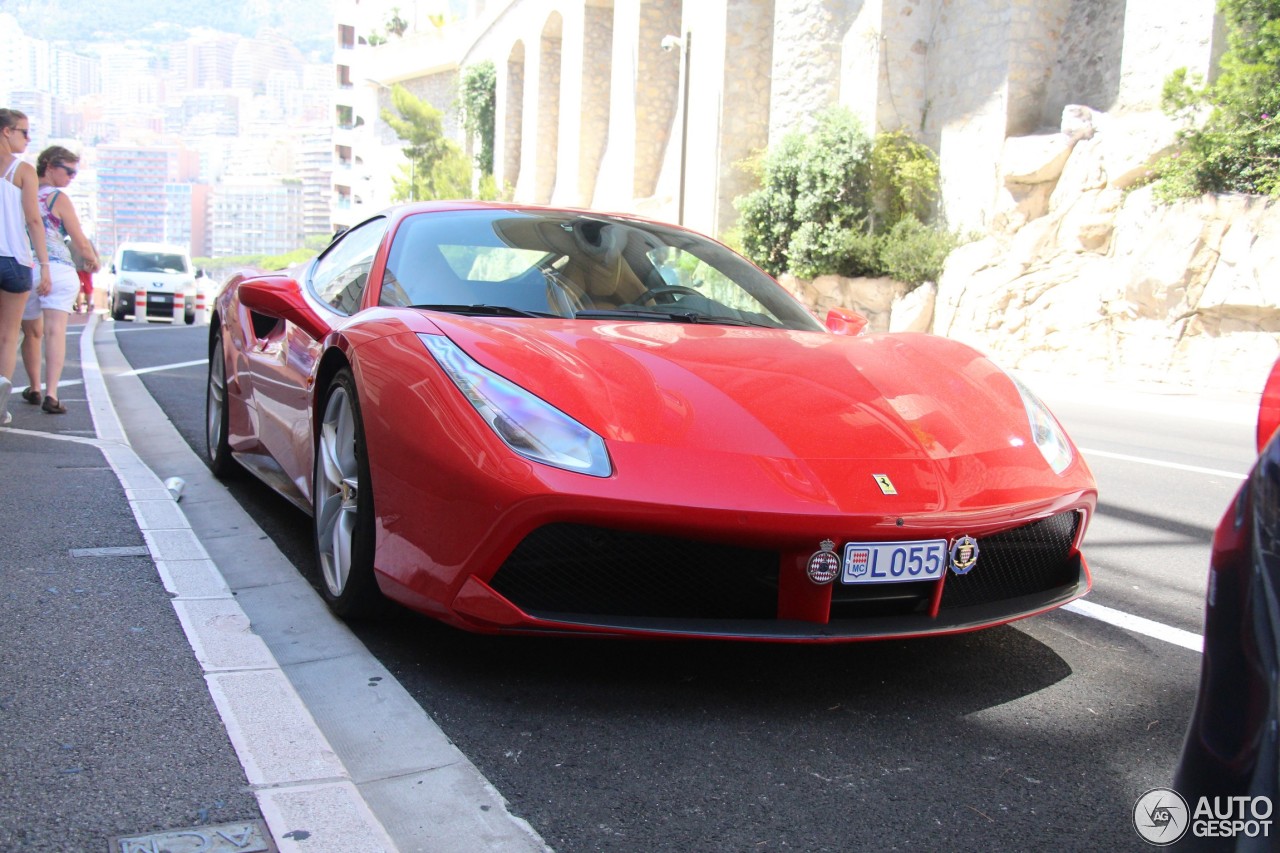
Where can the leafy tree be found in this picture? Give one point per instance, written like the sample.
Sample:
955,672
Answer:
1231,142
437,168
479,99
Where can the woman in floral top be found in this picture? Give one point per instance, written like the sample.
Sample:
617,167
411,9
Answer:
45,317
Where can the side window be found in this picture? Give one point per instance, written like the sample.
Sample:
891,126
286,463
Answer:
342,273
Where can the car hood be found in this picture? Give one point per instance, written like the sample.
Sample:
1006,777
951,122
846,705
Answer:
776,392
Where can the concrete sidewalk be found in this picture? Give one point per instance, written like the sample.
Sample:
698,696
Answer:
142,708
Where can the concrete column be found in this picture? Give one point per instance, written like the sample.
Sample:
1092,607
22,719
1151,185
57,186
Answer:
657,92
509,116
597,78
806,62
614,180
547,113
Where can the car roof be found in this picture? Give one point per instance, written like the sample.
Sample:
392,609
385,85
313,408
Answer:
153,247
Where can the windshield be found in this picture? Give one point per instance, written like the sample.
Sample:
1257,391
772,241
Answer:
585,266
135,261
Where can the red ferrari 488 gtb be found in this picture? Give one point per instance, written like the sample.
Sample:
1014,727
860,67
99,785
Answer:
520,419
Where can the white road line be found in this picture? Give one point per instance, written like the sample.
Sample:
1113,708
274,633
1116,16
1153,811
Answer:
161,367
1138,625
1194,469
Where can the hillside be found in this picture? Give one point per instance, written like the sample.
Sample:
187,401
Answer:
309,23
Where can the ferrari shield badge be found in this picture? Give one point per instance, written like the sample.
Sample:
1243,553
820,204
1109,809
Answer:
885,484
964,555
824,565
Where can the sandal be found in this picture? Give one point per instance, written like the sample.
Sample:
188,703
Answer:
51,406
32,396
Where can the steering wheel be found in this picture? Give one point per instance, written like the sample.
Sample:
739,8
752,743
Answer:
652,294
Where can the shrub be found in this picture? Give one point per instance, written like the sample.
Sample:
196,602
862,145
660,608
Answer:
914,252
820,178
1231,142
832,249
838,202
904,179
478,96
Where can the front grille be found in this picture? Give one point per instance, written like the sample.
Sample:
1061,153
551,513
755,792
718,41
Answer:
1031,559
862,600
579,569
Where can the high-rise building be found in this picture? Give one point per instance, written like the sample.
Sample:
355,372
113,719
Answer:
134,202
314,167
256,215
210,60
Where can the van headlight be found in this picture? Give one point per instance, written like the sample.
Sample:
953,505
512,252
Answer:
527,424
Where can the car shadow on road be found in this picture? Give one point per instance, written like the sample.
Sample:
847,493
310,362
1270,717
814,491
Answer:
974,670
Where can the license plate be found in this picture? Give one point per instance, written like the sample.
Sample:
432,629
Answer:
894,562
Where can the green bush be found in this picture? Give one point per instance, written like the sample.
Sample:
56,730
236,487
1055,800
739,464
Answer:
914,252
1231,141
832,249
478,97
831,201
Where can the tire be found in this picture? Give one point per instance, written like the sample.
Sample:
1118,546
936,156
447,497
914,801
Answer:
342,505
217,450
117,309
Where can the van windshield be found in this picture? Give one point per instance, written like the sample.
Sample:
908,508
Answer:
134,261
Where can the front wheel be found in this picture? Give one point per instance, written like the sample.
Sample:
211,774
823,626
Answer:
342,505
217,449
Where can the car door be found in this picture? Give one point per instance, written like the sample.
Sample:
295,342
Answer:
284,360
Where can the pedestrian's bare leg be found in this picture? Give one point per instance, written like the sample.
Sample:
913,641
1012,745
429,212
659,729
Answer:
32,333
55,349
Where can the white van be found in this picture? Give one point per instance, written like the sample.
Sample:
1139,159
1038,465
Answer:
163,271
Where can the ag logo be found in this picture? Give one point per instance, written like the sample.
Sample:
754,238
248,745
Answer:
1161,816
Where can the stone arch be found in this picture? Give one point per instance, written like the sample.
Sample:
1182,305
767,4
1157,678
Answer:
657,91
513,115
550,50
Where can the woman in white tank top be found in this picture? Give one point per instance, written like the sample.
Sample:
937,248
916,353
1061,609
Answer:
21,234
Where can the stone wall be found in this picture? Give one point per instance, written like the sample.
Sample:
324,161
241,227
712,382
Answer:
1086,66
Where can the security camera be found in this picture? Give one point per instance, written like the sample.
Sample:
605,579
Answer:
670,43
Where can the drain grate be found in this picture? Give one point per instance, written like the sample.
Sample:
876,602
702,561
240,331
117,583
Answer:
249,837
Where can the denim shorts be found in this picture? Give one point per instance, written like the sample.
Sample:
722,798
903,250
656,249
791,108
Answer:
14,277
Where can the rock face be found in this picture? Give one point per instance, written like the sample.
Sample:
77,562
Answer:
1084,274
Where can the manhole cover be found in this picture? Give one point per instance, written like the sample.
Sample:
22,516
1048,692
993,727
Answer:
249,837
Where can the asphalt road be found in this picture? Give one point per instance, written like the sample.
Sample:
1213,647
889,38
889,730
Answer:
1039,735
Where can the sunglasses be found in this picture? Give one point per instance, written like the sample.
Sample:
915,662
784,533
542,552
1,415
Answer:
71,173
26,133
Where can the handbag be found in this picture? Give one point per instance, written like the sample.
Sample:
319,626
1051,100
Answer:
80,261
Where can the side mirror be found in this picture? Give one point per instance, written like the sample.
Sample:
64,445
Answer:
281,298
1269,407
113,269
844,321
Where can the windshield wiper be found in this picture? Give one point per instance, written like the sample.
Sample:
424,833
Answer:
664,316
486,310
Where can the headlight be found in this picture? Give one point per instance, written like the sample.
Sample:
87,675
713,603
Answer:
529,425
1045,432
